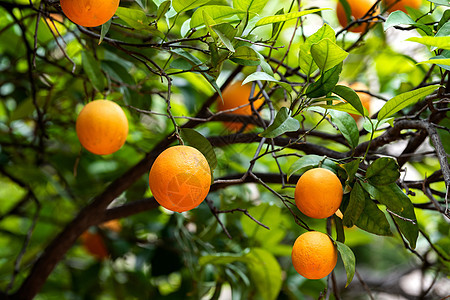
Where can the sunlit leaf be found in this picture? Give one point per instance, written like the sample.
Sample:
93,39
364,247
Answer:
401,101
286,17
347,126
283,123
327,54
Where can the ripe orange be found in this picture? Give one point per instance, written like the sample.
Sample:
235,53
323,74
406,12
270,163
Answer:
365,98
102,127
180,178
401,5
89,13
236,95
94,244
314,255
359,9
112,225
318,193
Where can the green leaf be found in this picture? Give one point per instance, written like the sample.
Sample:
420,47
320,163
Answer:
350,96
347,126
104,30
306,62
136,18
401,101
442,42
325,83
194,139
400,18
162,9
141,3
340,234
265,65
351,168
327,54
270,215
91,67
441,2
252,6
265,272
383,171
276,26
355,206
437,61
246,56
307,162
283,123
286,17
226,33
396,201
183,5
345,107
348,258
372,219
216,12
222,258
259,76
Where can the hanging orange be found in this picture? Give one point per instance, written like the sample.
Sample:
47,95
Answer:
359,8
89,13
180,178
102,127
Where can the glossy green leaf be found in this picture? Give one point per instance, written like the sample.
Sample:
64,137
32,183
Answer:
183,5
258,76
252,6
226,34
349,260
162,9
340,233
286,17
347,126
136,18
373,220
345,107
306,62
355,206
401,101
441,2
217,13
441,42
307,162
350,96
283,123
104,30
396,201
246,56
351,168
91,67
384,170
327,54
194,139
325,83
400,18
265,272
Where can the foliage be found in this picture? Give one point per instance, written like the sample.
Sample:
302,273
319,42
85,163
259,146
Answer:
165,63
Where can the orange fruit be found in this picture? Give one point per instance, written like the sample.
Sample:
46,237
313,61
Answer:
359,9
180,178
314,255
102,127
401,5
89,13
94,244
112,225
365,98
234,96
318,193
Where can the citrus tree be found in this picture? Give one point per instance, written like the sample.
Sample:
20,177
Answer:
218,149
